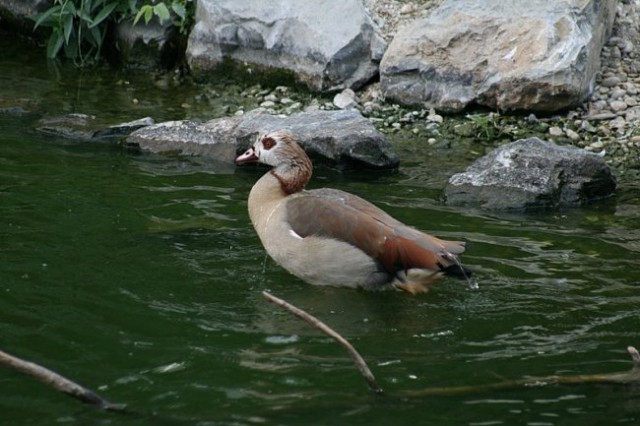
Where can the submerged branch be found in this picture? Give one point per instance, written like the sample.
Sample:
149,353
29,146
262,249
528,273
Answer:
357,358
57,381
625,378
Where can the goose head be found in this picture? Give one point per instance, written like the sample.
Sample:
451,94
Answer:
272,149
290,164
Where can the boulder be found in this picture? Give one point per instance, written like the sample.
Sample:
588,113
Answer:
328,46
517,55
19,13
531,173
341,138
143,45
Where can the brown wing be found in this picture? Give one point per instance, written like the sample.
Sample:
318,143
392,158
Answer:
336,214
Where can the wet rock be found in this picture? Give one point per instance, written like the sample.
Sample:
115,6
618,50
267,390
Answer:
531,173
123,129
481,52
343,138
71,126
298,37
84,127
148,45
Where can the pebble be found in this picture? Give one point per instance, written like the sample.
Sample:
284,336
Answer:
573,135
347,99
555,131
617,106
610,81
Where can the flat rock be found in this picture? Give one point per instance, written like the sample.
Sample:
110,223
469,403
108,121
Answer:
529,174
515,55
330,45
86,128
343,139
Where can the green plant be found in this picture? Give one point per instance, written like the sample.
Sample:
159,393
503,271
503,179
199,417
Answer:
80,26
182,9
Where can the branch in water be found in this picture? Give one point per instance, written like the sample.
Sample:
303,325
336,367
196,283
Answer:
357,359
58,382
624,378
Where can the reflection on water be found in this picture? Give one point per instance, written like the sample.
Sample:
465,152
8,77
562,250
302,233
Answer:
140,276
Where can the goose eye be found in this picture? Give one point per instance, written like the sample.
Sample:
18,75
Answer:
268,143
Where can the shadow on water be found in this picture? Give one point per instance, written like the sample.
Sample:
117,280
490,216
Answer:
140,277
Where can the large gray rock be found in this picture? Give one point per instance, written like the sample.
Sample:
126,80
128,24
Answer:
342,138
145,45
507,55
19,13
328,45
531,173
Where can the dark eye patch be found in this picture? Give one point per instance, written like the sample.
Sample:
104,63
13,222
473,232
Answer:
268,143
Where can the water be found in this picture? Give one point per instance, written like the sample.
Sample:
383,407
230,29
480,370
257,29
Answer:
139,276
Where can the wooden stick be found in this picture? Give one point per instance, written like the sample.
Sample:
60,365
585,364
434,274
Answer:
58,382
624,378
357,359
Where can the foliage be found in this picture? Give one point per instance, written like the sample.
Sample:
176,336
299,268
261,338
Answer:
79,27
182,9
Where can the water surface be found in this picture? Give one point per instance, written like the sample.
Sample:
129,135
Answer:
140,277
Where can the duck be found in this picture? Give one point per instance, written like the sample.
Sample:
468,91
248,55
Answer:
329,237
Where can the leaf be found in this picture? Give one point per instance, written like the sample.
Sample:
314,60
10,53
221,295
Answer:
42,18
67,27
55,43
179,10
71,7
162,12
97,36
148,14
140,13
103,14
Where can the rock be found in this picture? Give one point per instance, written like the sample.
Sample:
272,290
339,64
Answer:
617,106
342,138
84,127
531,173
147,45
18,13
71,126
434,118
346,99
555,131
123,129
331,46
611,81
572,134
482,52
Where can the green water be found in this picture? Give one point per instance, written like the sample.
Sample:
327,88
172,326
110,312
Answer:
140,277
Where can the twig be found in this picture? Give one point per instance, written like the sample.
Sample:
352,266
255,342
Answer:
357,359
58,382
624,378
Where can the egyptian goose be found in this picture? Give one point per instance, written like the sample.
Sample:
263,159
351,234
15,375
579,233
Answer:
331,237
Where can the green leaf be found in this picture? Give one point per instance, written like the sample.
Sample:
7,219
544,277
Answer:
140,13
148,14
67,27
55,43
103,14
41,18
71,7
97,36
162,12
179,10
